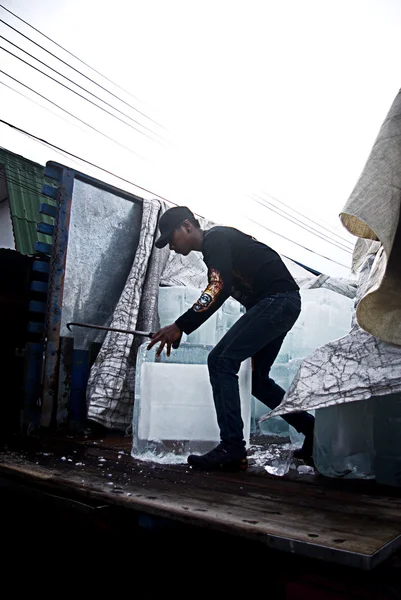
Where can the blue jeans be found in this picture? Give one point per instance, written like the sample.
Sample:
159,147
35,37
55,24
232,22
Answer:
259,334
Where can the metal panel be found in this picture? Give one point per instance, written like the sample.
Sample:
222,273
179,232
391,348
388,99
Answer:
95,239
104,234
24,180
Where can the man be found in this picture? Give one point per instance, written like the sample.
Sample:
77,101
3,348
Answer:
254,274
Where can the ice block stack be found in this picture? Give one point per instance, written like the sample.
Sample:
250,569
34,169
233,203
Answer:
174,412
175,300
325,316
360,440
387,439
343,442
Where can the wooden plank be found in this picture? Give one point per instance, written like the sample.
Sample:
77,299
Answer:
235,505
236,516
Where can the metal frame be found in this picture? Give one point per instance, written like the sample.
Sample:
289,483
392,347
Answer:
64,178
56,287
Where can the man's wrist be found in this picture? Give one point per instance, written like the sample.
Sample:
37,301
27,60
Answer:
178,324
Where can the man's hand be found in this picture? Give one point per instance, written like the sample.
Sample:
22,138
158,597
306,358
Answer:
167,335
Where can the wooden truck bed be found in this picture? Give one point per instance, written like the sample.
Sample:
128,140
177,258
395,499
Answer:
354,523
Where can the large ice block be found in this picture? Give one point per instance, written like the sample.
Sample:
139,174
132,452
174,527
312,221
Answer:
175,300
387,439
325,316
360,440
283,374
174,413
276,426
344,441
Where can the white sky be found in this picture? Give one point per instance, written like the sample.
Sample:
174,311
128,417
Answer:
279,97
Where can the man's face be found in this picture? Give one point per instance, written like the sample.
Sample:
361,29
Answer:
180,240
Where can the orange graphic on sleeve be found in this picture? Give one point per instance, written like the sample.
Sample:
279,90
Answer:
209,295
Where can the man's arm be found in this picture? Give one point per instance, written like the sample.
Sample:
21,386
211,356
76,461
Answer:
217,255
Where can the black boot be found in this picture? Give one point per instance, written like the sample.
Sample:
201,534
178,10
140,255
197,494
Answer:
304,423
306,451
221,458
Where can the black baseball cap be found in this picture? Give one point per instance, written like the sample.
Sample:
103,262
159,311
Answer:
170,220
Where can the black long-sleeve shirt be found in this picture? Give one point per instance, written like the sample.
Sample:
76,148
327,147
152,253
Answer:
238,266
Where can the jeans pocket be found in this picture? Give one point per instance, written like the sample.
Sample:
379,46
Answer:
288,314
294,300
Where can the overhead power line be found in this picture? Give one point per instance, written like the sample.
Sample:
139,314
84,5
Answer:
88,162
22,175
299,223
81,61
23,186
46,108
78,94
52,113
49,144
74,116
333,236
24,178
77,84
306,217
296,243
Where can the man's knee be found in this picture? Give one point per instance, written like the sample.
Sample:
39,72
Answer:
219,361
213,359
